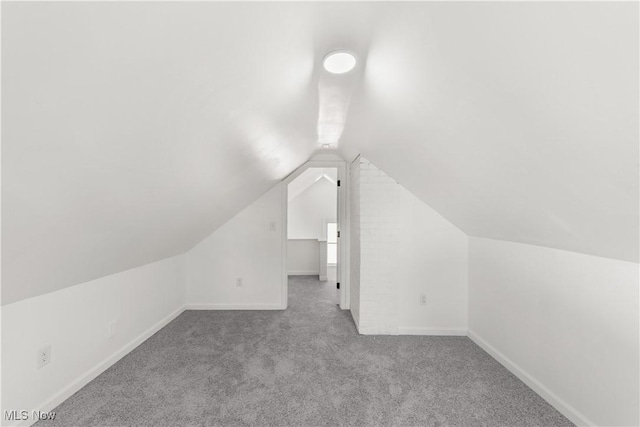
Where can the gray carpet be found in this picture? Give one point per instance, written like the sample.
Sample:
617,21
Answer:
302,367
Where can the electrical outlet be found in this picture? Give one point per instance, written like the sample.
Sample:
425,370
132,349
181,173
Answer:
113,328
43,357
239,282
423,299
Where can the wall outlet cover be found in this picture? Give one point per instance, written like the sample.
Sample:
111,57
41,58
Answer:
43,357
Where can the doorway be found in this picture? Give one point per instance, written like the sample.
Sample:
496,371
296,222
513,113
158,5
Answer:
314,208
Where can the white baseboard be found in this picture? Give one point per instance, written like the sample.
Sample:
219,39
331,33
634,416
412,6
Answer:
322,278
92,373
304,273
234,307
433,331
554,400
374,330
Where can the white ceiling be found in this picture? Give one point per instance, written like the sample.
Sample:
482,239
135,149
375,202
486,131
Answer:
515,121
309,177
131,131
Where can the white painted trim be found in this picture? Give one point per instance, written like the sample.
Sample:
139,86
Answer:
345,239
343,220
323,278
284,229
554,400
355,321
98,369
304,273
376,330
325,222
234,307
456,332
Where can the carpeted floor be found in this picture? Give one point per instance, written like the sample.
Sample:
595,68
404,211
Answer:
302,367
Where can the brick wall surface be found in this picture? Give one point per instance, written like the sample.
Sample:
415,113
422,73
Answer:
374,228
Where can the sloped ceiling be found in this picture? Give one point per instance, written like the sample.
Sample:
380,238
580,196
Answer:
515,121
131,131
308,178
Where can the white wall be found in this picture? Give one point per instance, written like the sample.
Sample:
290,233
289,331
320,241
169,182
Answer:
307,211
401,248
431,260
566,323
303,257
245,247
322,249
305,215
380,215
75,322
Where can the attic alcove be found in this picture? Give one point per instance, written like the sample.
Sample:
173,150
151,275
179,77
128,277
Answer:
141,175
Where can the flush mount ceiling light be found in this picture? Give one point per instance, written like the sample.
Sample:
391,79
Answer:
339,62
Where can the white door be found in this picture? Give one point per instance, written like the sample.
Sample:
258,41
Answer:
338,244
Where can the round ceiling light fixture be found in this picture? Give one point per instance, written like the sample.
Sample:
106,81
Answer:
339,62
